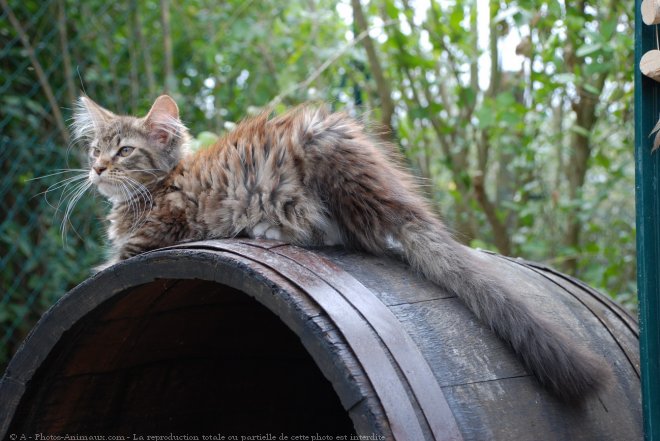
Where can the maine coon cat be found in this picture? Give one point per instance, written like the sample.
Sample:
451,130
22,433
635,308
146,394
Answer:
308,177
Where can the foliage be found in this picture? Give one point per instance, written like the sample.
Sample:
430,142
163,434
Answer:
530,160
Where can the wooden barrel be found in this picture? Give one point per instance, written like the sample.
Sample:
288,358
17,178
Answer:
235,338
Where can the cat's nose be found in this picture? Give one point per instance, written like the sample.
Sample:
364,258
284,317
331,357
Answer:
99,169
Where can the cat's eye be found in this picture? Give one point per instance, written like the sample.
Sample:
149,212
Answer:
96,153
125,151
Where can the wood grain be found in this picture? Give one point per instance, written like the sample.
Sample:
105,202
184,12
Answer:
217,337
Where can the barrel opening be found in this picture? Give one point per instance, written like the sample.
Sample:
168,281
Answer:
180,356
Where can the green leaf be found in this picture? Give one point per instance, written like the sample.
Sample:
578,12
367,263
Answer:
554,8
468,96
511,118
504,100
588,49
564,78
581,131
455,18
591,89
602,160
596,67
485,117
391,10
607,28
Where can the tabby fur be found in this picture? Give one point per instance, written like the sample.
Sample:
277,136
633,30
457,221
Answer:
308,177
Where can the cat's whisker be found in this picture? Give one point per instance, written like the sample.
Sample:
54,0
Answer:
127,196
56,186
68,192
131,190
135,195
64,183
59,172
138,185
75,194
146,198
69,189
121,185
126,191
138,191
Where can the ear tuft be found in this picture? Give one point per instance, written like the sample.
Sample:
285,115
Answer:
163,120
88,117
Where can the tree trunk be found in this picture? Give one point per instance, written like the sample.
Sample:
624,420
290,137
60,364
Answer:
145,50
382,84
170,82
576,170
501,234
584,107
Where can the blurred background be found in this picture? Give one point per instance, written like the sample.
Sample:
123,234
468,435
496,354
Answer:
517,115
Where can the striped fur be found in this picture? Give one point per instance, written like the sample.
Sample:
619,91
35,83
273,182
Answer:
307,177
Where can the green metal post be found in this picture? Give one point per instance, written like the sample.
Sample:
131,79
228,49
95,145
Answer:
647,168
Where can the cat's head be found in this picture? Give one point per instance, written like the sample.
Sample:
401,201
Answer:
128,155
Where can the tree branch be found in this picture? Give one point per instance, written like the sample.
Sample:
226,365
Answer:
66,56
322,68
382,85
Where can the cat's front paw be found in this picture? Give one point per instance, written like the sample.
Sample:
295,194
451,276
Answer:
265,230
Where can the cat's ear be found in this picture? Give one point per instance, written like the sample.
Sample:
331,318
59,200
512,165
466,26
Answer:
163,120
88,117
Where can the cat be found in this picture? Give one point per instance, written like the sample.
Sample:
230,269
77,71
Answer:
308,177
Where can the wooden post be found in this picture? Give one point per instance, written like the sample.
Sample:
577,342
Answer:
647,110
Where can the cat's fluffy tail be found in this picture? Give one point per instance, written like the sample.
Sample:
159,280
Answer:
373,200
559,364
